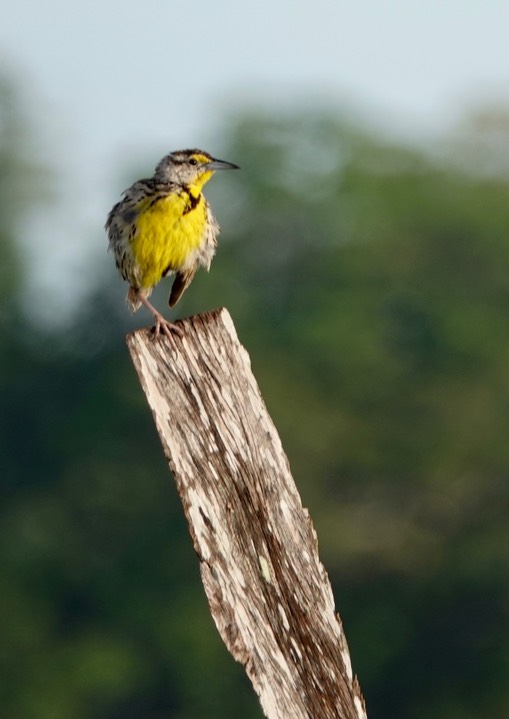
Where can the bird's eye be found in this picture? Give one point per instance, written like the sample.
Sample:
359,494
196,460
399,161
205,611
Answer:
193,161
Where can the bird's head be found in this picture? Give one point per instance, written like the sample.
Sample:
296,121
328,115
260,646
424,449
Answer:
190,168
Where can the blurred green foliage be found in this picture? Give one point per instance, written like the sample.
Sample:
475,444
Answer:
370,283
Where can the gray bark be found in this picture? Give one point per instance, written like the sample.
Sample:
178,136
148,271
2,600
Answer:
268,592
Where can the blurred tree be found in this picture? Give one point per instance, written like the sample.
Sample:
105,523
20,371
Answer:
373,288
369,282
20,187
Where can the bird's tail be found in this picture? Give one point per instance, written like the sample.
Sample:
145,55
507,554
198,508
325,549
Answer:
180,283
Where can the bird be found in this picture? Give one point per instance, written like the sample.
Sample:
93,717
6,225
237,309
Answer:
162,226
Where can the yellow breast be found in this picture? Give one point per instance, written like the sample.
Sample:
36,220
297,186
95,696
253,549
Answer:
167,235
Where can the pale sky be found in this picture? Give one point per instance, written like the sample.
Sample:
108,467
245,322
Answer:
115,84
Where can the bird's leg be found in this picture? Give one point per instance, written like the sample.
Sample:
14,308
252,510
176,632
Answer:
162,324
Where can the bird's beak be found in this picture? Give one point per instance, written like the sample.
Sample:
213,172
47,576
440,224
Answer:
220,165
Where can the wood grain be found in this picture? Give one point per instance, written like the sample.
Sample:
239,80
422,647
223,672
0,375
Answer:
268,592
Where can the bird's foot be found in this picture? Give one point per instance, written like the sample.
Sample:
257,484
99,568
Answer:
164,327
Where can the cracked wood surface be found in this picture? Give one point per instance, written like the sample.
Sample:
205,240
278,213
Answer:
268,593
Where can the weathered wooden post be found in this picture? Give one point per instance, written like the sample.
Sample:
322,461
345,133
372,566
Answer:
269,595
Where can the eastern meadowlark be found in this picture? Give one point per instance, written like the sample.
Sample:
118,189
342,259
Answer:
164,225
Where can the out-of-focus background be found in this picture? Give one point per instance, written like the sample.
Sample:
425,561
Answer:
365,260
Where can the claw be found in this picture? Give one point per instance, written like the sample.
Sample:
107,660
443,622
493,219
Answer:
162,325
